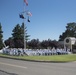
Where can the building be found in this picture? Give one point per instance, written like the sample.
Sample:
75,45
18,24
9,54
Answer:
69,42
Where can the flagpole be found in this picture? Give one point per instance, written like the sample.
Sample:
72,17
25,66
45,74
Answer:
24,20
24,35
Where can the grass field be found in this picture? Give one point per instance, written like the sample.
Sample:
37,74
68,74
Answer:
63,58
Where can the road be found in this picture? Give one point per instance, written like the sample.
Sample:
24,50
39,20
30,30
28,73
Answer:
17,67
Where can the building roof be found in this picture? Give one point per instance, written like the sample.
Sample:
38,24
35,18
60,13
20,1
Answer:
71,38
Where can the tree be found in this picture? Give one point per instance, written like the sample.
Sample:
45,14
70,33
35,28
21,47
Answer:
34,43
18,36
55,44
26,34
69,32
10,42
44,44
49,44
1,36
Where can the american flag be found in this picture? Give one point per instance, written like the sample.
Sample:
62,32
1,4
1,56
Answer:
26,2
29,13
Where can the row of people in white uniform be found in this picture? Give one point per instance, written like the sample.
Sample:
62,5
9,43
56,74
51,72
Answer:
20,51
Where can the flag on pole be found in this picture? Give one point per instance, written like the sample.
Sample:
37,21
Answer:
29,13
26,2
28,19
21,16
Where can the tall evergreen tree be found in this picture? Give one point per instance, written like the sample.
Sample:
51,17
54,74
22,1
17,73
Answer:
18,36
26,34
1,36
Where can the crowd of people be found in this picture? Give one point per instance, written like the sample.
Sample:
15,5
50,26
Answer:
33,52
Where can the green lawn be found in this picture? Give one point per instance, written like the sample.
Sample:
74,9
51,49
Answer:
63,58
